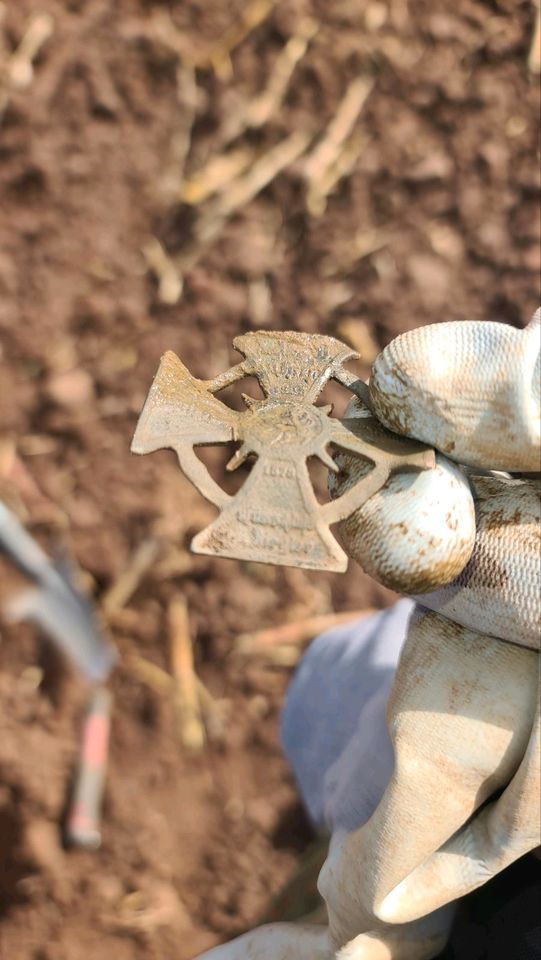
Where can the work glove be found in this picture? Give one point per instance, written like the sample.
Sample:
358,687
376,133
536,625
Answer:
463,799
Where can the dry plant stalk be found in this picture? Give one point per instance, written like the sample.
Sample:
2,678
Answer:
245,188
18,488
187,93
150,674
187,705
259,302
176,562
284,656
223,168
319,190
295,634
347,253
121,591
325,157
18,71
219,54
8,455
534,58
159,262
164,685
357,333
259,111
214,216
162,682
215,55
232,179
216,175
20,67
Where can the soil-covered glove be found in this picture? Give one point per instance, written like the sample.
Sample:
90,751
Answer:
462,716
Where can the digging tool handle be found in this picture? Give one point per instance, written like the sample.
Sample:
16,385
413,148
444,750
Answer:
83,824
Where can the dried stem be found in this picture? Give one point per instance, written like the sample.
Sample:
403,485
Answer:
223,168
187,704
18,71
216,175
150,674
127,583
534,58
172,179
218,54
20,68
169,280
319,189
263,172
259,111
324,158
291,634
217,212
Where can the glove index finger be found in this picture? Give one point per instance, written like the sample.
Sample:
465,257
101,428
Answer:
467,388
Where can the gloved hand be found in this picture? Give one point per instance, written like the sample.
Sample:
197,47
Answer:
462,715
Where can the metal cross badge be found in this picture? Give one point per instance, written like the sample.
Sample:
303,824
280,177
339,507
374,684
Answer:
275,517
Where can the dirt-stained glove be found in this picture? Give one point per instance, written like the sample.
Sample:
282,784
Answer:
462,716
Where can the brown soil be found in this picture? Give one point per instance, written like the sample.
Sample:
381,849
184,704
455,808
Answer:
437,219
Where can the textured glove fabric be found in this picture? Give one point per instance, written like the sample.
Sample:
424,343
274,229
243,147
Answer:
333,723
469,389
336,740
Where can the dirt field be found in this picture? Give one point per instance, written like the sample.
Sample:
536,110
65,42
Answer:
417,203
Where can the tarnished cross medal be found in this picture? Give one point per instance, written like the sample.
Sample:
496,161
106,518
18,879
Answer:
275,517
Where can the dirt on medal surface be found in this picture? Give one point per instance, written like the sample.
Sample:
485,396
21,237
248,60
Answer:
172,175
